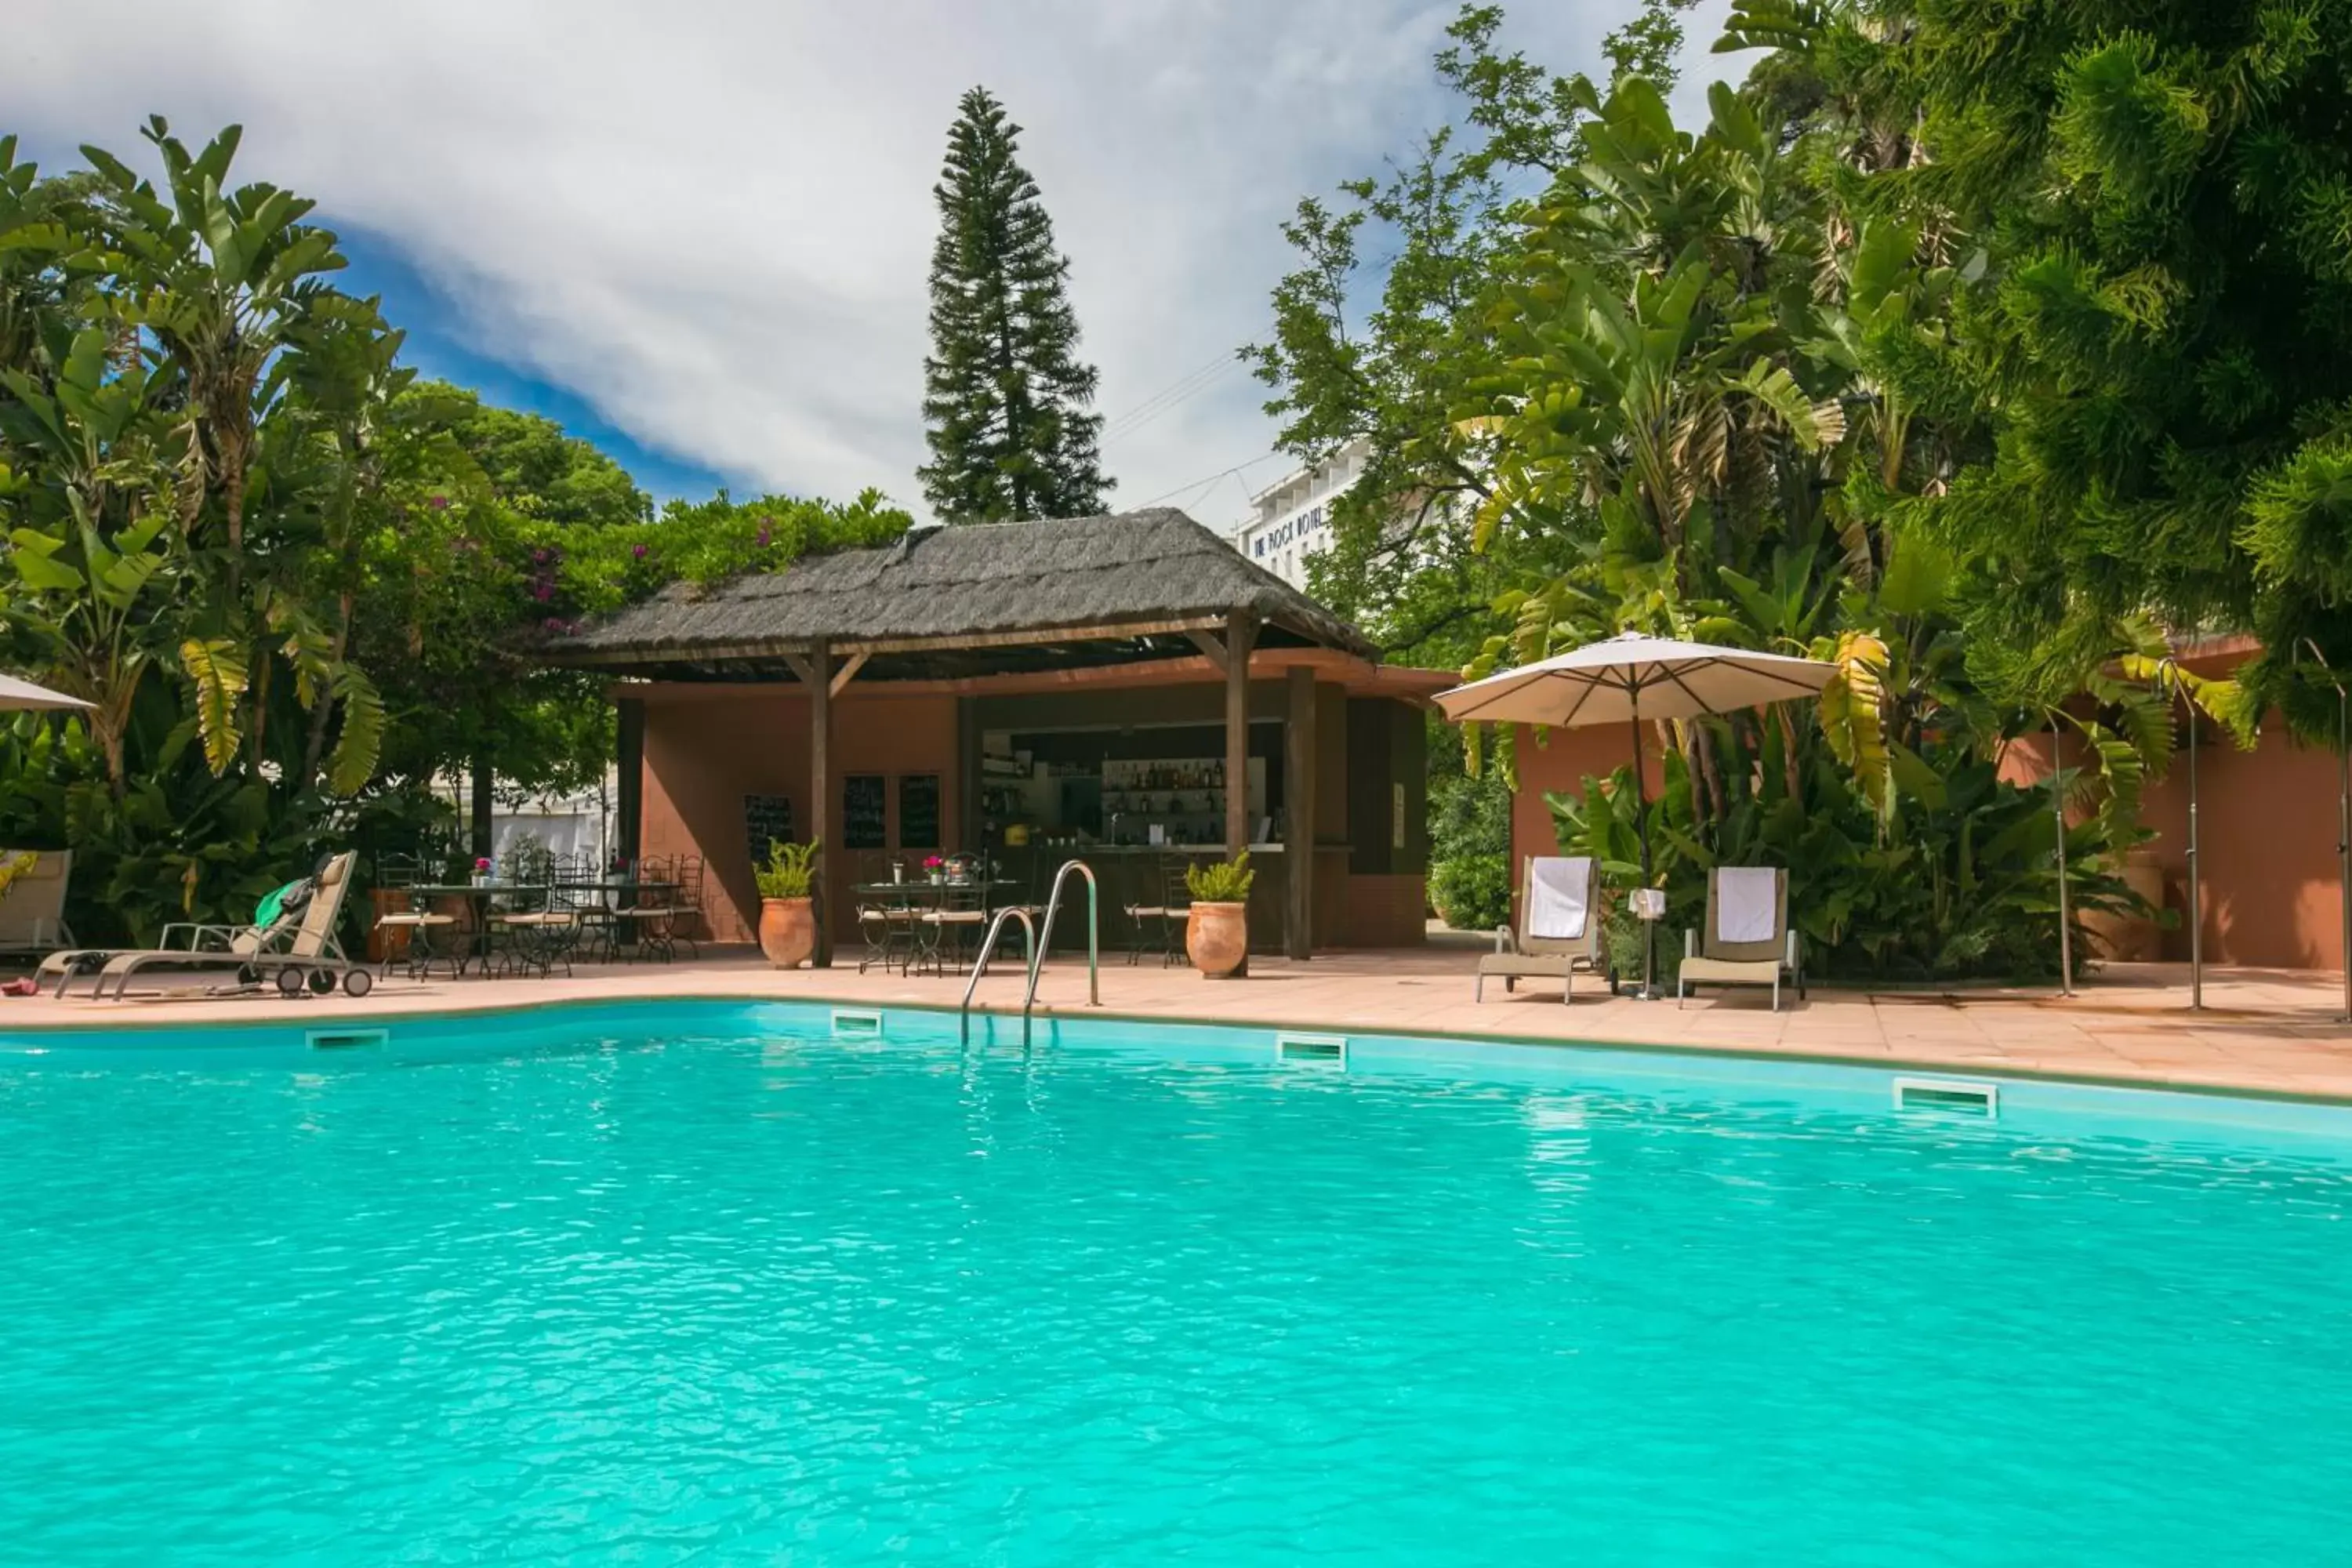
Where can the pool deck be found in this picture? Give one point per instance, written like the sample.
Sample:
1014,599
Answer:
2262,1031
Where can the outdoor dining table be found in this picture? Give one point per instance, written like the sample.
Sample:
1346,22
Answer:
478,896
921,894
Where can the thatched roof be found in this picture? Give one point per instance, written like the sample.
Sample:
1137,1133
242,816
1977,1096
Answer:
1033,595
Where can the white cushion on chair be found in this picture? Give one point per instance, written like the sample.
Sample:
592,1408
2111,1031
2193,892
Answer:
1748,907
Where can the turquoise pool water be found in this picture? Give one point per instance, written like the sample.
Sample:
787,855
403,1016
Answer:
721,1289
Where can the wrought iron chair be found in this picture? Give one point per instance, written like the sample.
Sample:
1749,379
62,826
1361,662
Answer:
885,914
957,913
539,939
419,928
648,913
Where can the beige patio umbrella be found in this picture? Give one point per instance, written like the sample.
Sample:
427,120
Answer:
1630,677
16,694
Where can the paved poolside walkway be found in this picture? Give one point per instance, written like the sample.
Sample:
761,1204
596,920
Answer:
2266,1031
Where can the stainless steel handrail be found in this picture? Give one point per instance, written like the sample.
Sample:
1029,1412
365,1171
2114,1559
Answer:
988,945
1094,935
980,964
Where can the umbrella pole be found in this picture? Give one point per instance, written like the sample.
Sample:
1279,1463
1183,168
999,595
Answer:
2344,834
2196,887
1649,992
2065,916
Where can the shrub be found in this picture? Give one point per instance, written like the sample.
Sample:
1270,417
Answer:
1222,881
1472,892
790,869
1470,852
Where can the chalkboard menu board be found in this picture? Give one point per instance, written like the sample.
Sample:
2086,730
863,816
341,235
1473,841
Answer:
862,823
766,817
918,811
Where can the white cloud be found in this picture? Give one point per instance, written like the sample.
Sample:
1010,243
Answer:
712,218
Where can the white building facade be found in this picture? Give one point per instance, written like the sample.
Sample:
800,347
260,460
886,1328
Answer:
1290,519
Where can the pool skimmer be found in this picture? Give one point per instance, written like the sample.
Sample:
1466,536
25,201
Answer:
1948,1097
1311,1050
345,1040
857,1023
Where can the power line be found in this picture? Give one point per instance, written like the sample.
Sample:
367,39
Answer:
1202,484
1194,387
1197,371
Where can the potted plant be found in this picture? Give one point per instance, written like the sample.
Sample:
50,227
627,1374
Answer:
787,913
936,867
1216,930
481,870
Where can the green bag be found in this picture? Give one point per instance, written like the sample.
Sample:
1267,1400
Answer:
280,902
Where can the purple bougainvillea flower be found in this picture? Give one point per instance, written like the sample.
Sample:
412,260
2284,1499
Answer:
639,552
555,624
440,503
543,592
538,558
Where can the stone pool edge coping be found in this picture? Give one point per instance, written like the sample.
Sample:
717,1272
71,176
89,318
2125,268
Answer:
116,1024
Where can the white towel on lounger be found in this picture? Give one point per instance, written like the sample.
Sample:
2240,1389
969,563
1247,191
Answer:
1747,903
1558,894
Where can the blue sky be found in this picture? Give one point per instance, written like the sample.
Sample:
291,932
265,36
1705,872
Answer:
437,346
699,233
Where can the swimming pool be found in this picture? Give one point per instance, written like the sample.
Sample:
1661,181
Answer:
646,1283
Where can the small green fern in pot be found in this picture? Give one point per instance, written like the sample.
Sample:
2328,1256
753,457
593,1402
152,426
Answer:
1221,881
790,870
1216,928
787,914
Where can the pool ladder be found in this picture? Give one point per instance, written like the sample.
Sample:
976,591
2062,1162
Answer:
1037,943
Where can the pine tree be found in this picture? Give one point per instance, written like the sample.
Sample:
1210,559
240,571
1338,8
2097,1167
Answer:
1005,396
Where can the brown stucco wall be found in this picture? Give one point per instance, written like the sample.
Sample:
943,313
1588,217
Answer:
706,748
1561,762
2267,829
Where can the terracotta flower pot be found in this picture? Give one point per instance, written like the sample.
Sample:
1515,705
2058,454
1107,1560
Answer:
787,930
1216,938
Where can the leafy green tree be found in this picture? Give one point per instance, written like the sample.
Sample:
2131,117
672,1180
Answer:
1377,348
295,585
94,558
223,281
2151,207
529,462
1677,386
1006,399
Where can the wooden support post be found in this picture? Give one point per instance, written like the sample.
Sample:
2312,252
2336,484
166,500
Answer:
479,826
1241,632
1298,816
821,823
1211,648
846,673
968,783
628,831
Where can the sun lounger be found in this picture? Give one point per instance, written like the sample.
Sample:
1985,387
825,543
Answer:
33,909
186,939
1746,939
296,952
1560,928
